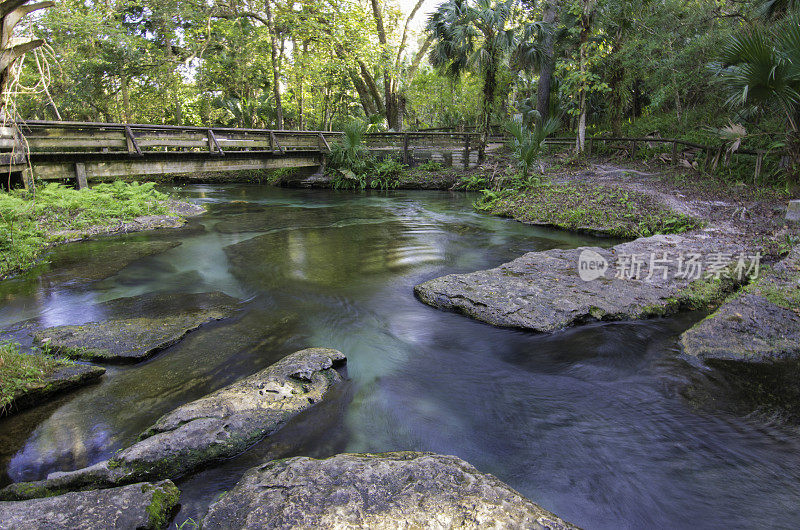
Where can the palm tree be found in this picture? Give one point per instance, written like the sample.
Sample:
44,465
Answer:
473,35
760,69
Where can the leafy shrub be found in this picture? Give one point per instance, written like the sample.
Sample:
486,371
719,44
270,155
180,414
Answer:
475,182
526,143
354,167
29,222
431,165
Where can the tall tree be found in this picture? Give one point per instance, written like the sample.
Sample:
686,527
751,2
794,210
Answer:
548,61
11,12
587,16
275,56
473,35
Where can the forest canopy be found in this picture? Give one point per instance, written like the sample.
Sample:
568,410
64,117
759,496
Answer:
696,69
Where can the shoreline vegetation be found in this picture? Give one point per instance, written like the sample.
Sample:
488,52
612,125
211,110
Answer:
32,222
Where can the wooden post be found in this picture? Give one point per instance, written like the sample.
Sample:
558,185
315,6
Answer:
633,148
466,151
80,173
405,148
591,143
674,153
130,139
323,143
213,144
759,161
27,179
273,142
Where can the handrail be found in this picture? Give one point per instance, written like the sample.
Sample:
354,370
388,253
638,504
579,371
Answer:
192,128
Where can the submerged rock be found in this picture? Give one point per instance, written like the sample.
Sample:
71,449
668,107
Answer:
161,320
140,506
90,261
543,291
217,426
759,325
390,490
63,379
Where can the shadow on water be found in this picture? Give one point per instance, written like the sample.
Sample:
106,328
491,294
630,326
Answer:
589,422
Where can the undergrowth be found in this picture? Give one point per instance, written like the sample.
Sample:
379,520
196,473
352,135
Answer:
574,206
20,371
353,167
31,222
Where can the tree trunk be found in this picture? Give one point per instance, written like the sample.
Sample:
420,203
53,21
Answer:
390,99
615,80
586,26
11,12
276,76
489,85
548,60
126,99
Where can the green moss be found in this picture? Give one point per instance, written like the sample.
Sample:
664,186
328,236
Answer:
703,293
583,207
784,293
165,498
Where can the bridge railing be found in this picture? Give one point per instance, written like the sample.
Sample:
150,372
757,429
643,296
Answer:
44,137
47,137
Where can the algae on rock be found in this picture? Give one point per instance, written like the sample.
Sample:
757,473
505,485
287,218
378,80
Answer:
141,506
389,490
161,320
219,425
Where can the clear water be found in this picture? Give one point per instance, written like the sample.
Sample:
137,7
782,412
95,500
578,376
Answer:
589,422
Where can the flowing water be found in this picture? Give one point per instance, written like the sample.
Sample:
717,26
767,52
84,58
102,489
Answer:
590,422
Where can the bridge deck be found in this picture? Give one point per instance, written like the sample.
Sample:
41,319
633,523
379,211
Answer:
84,151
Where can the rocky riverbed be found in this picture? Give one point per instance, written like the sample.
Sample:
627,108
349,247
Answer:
389,490
217,426
161,320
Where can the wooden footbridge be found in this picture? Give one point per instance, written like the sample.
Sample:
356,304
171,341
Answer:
43,150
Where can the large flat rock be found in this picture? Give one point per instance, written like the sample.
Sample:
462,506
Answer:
759,325
390,490
139,506
161,320
65,378
89,261
543,291
214,427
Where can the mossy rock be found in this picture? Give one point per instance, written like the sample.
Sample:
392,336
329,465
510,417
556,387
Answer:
142,506
162,320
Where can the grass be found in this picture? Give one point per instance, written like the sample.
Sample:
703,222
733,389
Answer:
577,206
30,223
20,371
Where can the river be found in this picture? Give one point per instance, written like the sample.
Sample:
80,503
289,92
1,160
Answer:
591,423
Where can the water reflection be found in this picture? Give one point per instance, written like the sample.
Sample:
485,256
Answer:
589,422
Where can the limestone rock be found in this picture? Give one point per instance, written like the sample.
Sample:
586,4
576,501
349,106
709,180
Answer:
140,506
162,320
542,291
390,490
759,325
89,261
219,425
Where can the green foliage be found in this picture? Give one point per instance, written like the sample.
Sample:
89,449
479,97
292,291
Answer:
526,143
581,207
474,182
29,222
20,371
385,174
355,168
431,165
